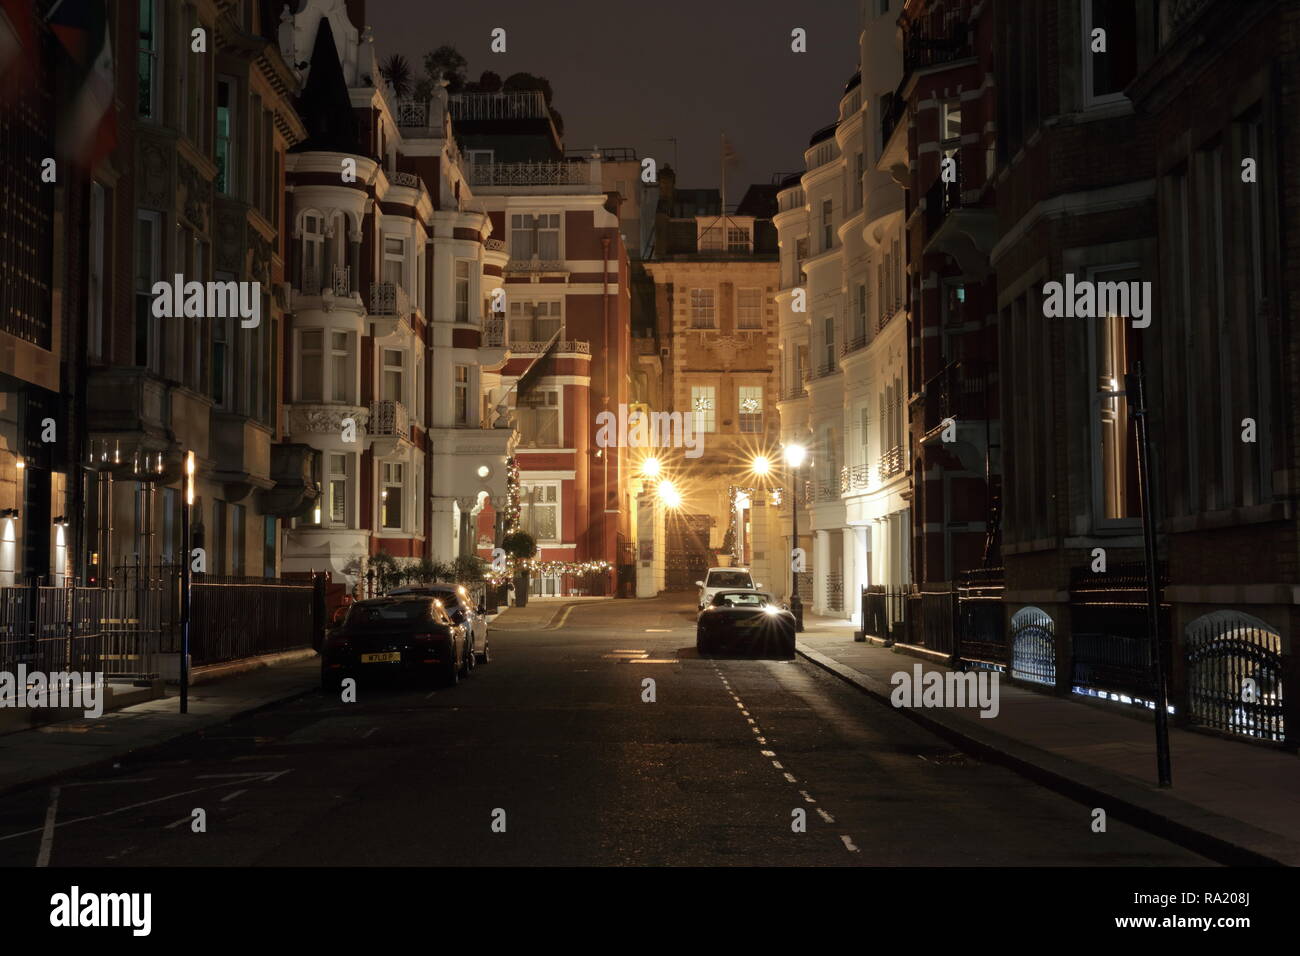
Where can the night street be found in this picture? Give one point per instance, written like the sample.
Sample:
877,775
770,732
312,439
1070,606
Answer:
554,731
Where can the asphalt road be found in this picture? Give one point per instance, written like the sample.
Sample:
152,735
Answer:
554,740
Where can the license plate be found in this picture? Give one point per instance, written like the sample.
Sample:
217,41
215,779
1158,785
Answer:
393,657
754,622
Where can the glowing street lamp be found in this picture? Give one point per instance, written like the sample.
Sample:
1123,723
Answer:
650,468
795,455
668,494
761,465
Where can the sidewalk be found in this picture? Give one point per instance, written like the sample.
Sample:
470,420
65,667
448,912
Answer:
1234,801
32,756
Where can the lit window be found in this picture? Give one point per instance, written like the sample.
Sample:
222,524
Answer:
704,407
751,408
393,485
702,309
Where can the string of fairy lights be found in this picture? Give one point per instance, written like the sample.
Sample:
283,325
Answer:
534,566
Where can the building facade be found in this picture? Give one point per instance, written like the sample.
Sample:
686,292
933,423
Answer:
715,281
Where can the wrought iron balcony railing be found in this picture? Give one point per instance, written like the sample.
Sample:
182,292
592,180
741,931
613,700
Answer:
409,180
857,343
494,331
389,417
940,200
933,40
340,281
530,174
891,463
494,245
389,298
854,478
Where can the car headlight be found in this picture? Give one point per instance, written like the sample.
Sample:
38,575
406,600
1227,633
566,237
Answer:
769,609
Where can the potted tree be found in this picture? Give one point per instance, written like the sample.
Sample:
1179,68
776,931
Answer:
521,546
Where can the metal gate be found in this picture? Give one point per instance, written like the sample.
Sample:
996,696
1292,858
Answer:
1234,675
1033,646
686,550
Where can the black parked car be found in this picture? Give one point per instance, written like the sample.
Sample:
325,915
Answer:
750,620
406,635
461,609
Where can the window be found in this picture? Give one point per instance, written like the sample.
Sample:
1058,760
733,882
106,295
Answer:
704,406
148,45
395,261
1105,75
236,539
269,536
148,268
394,488
461,382
539,509
864,432
341,367
313,253
828,344
882,7
801,248
737,238
702,311
538,415
828,228
462,290
221,364
96,286
217,545
535,237
534,321
1113,434
750,406
950,130
749,309
391,386
197,344
860,313
337,488
311,343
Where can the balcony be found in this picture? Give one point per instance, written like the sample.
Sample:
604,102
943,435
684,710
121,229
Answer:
936,40
891,463
412,114
854,478
494,245
523,104
855,344
893,111
494,332
958,392
826,369
964,232
793,393
339,281
509,175
389,426
537,267
406,180
571,347
389,298
792,199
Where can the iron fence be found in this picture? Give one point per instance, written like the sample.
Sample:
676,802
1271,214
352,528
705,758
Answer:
123,628
1234,668
1111,645
981,625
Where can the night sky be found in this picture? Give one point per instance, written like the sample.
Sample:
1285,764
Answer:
634,74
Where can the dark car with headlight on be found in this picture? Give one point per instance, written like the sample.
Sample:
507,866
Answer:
745,620
395,636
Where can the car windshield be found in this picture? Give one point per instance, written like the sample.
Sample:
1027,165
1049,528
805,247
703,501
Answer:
450,598
394,613
739,599
729,579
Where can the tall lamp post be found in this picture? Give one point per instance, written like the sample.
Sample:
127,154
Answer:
185,582
794,457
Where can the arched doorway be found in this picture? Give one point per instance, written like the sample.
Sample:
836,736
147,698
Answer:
1234,675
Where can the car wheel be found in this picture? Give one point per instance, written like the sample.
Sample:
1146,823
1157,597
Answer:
789,647
330,681
701,645
486,656
467,665
450,670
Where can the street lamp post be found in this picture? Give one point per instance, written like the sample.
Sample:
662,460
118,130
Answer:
794,457
185,582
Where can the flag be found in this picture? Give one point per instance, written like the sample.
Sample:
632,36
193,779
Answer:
729,155
89,130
